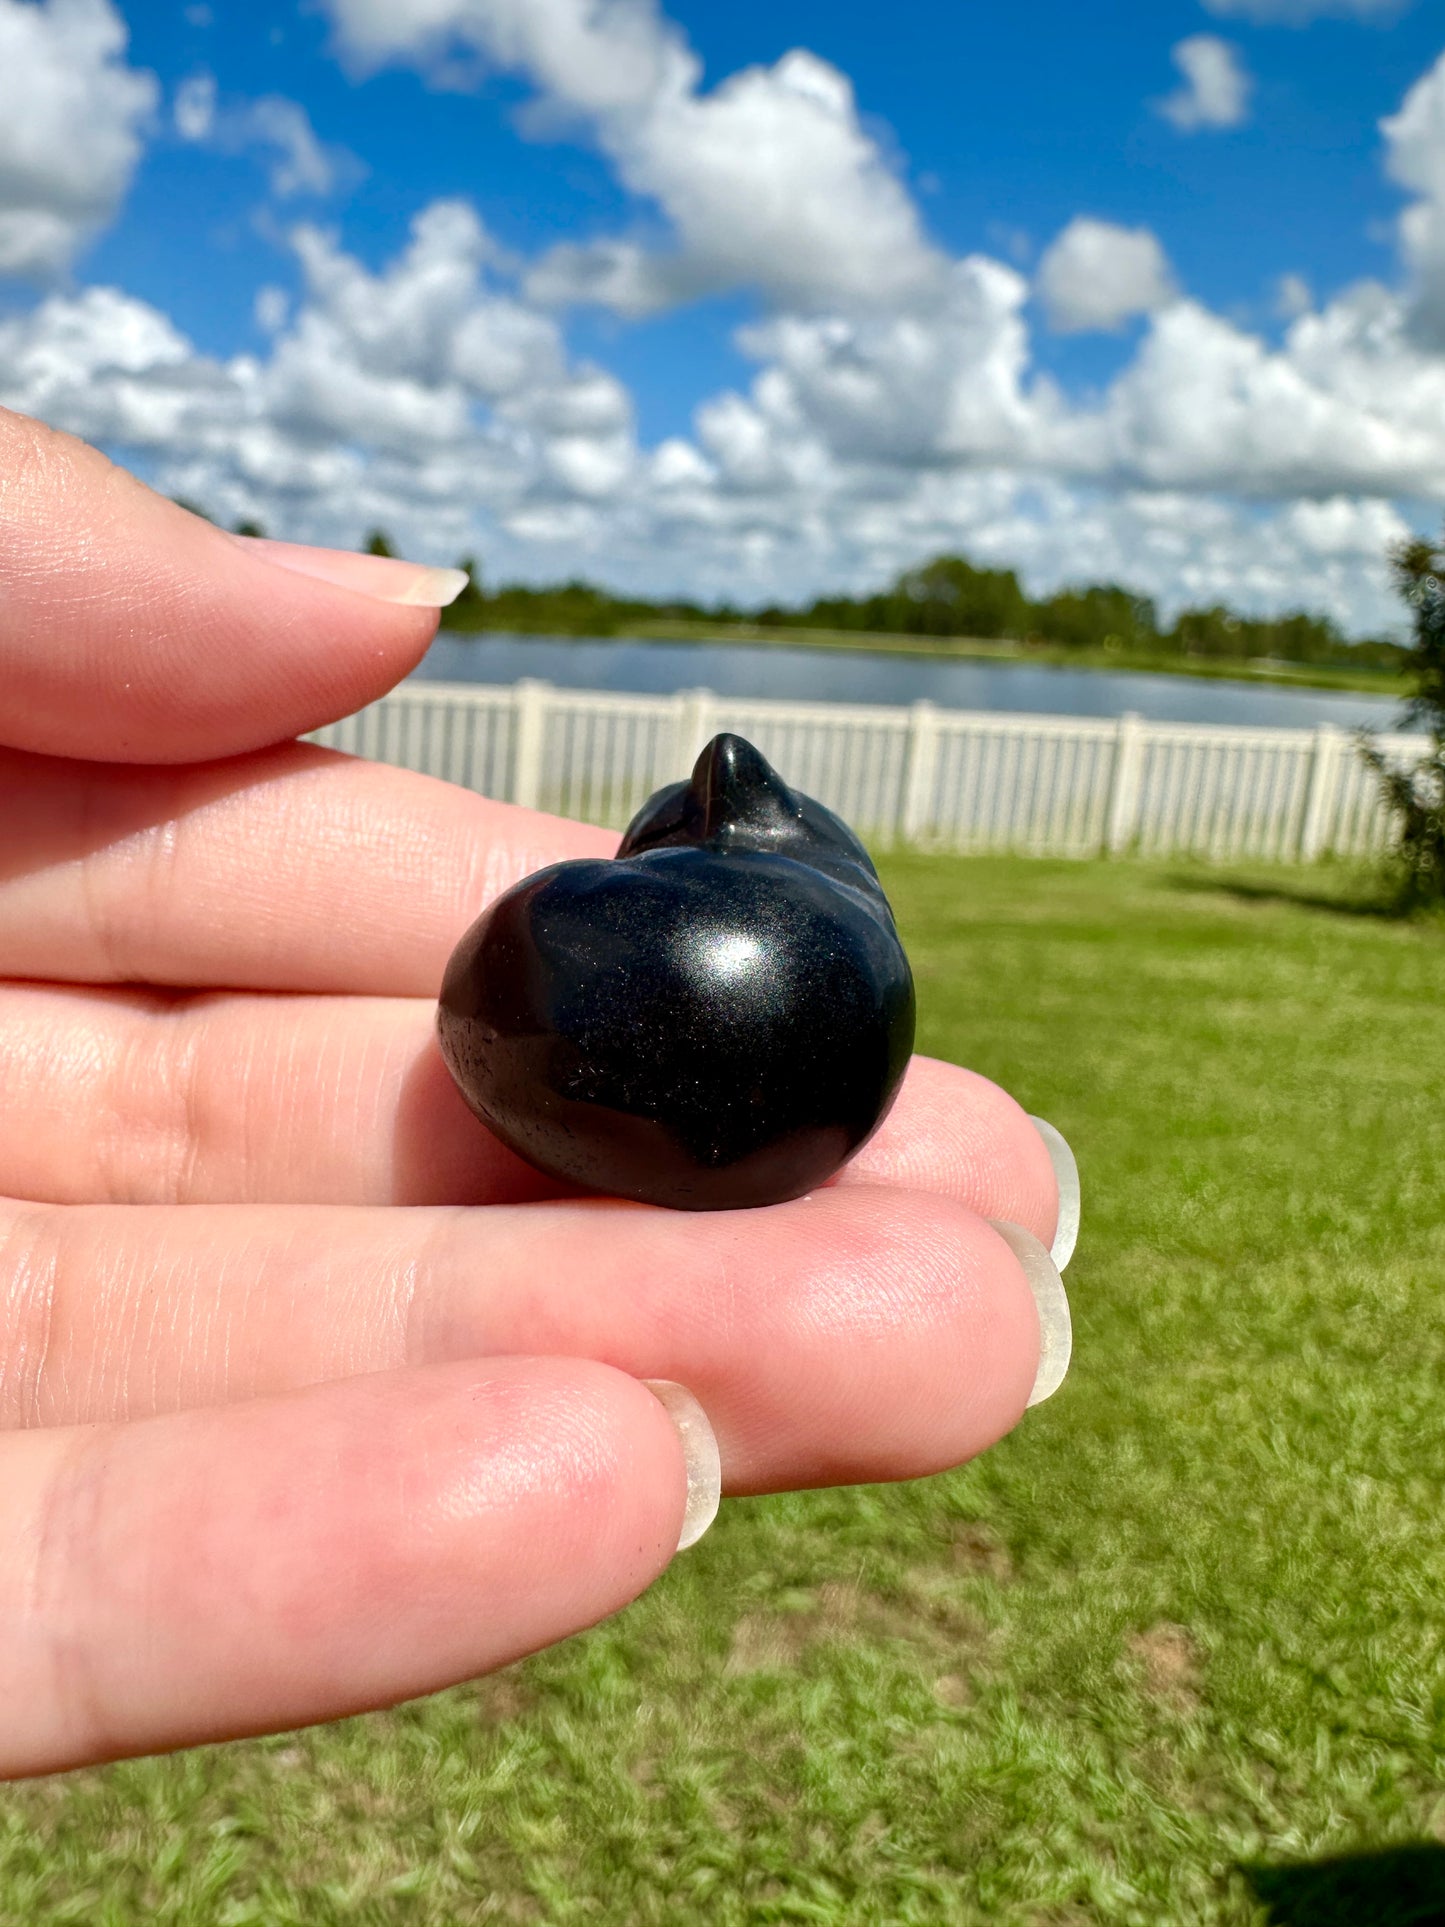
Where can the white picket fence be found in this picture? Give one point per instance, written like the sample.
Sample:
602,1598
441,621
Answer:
938,778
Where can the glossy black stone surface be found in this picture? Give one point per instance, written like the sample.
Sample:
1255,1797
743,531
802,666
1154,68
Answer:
718,1016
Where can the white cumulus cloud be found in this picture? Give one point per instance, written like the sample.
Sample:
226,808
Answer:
1415,157
271,308
1215,90
1346,406
299,163
1300,13
595,56
430,398
767,181
194,110
1097,275
72,115
423,397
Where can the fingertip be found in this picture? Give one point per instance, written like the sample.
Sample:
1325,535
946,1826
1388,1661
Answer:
600,1466
984,1348
180,645
890,1335
385,578
958,1133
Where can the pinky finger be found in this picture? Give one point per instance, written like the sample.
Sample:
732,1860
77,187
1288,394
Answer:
260,1566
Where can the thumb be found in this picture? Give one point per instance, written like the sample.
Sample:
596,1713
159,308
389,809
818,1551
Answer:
134,631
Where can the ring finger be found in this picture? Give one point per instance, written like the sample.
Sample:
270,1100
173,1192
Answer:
857,1334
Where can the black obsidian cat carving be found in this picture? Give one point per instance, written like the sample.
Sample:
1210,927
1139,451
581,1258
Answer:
718,1016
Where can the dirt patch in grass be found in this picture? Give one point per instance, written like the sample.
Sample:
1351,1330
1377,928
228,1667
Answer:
1170,1666
977,1548
504,1696
953,1691
929,1615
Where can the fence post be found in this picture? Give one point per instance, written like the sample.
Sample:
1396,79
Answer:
1317,823
694,729
529,723
920,774
1125,784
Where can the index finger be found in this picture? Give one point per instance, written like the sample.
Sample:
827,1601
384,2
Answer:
137,632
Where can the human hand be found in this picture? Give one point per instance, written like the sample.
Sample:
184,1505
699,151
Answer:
289,1427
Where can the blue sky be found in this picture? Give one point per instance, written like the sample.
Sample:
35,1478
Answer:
751,300
1006,123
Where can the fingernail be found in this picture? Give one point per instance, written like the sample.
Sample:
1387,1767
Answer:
1056,1331
383,577
699,1454
1066,1170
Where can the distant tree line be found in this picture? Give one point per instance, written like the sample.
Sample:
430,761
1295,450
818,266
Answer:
951,597
947,597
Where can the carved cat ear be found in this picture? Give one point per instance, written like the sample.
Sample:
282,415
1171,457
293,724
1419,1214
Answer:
735,800
733,789
734,786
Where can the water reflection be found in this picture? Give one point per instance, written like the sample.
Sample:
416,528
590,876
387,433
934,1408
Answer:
817,675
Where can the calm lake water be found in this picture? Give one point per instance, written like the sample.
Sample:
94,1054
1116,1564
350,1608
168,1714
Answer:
817,675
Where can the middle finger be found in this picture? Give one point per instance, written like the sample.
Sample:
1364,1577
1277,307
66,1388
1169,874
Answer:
149,1098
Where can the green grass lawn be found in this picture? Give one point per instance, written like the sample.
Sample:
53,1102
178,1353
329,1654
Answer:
1170,1646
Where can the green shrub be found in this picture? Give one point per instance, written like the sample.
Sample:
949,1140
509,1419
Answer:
1415,797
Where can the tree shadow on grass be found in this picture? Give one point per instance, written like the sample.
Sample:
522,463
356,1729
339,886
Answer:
1397,1887
1365,897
